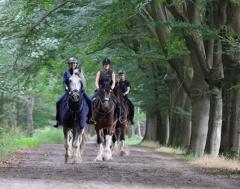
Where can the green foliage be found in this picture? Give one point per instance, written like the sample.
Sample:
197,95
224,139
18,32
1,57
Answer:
8,141
49,136
176,46
11,140
26,143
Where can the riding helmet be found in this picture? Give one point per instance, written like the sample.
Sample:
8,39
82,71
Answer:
72,60
120,72
106,61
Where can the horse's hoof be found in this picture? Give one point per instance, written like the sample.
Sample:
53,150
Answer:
107,156
98,158
68,160
124,153
77,161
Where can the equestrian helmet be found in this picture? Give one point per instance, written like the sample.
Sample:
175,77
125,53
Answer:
72,60
106,61
120,72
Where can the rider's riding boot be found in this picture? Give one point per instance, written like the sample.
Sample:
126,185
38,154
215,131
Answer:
56,125
132,122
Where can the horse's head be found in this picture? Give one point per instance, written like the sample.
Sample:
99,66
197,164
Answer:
75,86
105,95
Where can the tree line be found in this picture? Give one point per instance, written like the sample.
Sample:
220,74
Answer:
182,58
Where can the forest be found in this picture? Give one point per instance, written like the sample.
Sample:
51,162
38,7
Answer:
182,58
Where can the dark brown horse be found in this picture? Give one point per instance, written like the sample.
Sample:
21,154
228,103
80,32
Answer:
105,117
122,125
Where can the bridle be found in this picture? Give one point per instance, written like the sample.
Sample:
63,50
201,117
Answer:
100,102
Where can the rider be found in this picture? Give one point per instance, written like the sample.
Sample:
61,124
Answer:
72,65
104,78
125,86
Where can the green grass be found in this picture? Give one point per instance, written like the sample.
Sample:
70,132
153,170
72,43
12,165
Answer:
49,136
12,140
168,149
26,143
133,140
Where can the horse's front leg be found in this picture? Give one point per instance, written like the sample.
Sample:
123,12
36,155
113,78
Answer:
122,147
68,137
114,144
107,154
77,139
100,144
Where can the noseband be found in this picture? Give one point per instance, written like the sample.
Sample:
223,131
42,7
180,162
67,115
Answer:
100,102
74,95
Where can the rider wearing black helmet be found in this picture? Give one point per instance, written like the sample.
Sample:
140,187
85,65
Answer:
106,77
125,87
72,65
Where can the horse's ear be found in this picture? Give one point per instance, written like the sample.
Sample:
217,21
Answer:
76,72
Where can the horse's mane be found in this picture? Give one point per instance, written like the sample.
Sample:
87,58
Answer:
80,74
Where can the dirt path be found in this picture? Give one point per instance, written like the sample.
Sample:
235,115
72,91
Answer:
44,168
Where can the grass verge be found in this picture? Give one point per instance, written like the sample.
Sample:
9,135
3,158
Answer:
219,164
133,140
12,140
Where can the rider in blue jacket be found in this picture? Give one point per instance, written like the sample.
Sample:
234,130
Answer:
72,65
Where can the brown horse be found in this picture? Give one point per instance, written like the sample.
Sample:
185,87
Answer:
122,125
105,119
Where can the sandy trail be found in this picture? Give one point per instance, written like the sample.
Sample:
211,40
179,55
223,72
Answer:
44,168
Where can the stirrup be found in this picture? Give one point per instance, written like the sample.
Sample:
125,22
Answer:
91,121
121,120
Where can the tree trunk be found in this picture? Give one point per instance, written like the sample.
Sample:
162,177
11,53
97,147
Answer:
215,125
151,126
200,114
231,62
138,124
173,117
177,102
139,129
1,108
14,115
18,106
235,122
186,126
30,104
228,101
215,114
163,129
132,131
